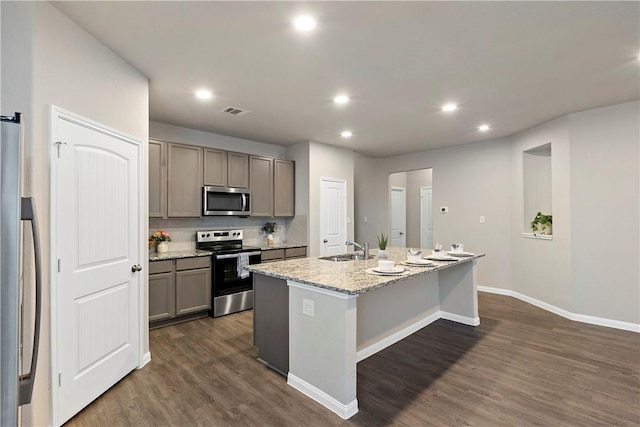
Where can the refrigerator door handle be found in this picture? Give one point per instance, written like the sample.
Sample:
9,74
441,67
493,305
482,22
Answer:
25,382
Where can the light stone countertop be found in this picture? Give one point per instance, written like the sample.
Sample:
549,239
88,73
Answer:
191,253
348,277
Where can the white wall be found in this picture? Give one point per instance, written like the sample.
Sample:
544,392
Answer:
166,132
472,180
605,213
59,63
541,268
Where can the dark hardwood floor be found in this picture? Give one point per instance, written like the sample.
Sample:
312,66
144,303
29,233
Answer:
522,366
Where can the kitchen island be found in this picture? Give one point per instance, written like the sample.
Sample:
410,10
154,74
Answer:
315,319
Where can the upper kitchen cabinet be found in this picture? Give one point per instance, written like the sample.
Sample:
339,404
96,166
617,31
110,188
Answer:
283,188
261,185
215,167
224,169
238,170
157,179
184,181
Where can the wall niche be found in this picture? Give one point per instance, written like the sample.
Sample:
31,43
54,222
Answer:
536,167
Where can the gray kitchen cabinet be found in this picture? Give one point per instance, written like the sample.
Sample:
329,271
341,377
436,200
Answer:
157,179
261,186
283,188
161,290
193,285
215,167
281,254
184,180
238,170
271,321
179,290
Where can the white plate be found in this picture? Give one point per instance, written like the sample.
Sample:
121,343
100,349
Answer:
441,258
421,263
391,271
460,254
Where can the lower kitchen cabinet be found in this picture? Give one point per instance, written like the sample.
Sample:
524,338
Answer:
280,254
179,290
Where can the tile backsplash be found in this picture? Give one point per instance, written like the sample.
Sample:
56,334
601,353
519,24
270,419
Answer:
183,230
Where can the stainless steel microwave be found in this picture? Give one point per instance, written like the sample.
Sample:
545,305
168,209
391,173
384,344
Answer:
225,201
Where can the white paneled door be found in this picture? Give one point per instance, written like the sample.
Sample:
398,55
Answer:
97,241
398,217
333,216
426,217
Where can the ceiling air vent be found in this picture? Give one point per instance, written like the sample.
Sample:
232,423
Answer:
235,111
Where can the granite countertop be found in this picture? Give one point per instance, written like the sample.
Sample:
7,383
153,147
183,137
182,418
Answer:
191,253
281,246
348,277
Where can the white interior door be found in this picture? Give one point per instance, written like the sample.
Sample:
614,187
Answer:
333,216
398,217
426,217
97,227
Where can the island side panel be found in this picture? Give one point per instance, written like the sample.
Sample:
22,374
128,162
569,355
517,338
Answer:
387,315
459,294
322,347
271,321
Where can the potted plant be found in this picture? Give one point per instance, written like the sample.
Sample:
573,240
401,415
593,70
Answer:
161,238
541,224
269,228
382,245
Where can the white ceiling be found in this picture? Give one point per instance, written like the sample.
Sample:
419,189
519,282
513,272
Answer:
509,64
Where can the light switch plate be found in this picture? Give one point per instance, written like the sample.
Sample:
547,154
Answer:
482,219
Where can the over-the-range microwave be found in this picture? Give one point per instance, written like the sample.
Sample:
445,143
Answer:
225,201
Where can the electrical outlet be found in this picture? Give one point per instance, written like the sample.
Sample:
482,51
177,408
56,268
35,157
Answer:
444,209
307,307
482,219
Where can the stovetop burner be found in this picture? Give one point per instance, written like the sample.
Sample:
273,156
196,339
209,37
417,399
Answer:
221,241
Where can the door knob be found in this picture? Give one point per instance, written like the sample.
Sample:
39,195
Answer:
326,241
136,267
401,233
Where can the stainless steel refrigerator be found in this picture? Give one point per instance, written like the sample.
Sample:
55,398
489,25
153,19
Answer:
16,388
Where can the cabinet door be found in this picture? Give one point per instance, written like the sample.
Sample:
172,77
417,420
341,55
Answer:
238,170
215,167
261,185
283,188
161,296
184,181
193,291
157,179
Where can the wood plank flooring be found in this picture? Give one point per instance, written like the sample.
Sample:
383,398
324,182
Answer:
522,366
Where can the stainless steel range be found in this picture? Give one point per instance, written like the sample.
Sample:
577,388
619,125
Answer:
231,285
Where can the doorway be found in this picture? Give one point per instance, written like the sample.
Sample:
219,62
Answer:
417,221
398,217
333,216
426,217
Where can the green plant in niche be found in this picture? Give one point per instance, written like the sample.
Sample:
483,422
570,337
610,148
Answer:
541,224
270,227
382,241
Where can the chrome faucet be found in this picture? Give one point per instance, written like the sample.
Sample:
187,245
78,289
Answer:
364,249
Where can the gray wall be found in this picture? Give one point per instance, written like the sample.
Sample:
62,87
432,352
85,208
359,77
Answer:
48,59
591,266
605,212
472,180
415,180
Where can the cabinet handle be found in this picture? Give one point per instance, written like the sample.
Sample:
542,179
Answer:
136,267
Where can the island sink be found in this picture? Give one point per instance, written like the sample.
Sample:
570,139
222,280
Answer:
347,257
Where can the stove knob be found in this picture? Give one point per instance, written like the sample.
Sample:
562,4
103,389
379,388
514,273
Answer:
208,235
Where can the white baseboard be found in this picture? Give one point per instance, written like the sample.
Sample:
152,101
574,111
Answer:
592,320
396,336
471,321
344,411
146,358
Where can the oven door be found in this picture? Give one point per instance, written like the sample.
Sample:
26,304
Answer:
226,280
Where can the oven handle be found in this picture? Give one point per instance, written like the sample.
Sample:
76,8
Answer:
229,256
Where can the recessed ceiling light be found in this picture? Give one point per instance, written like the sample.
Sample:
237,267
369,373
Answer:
449,107
304,23
204,94
346,134
341,99
484,128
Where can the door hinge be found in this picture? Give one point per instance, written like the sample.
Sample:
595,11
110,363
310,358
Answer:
58,144
59,265
59,379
